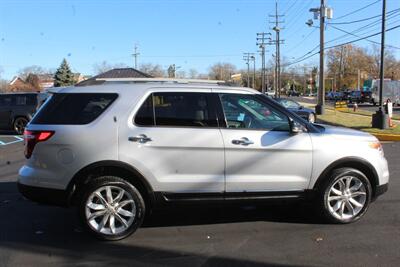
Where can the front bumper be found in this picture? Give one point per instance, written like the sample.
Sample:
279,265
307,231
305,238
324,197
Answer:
43,195
380,190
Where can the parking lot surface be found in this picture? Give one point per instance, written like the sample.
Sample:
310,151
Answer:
273,235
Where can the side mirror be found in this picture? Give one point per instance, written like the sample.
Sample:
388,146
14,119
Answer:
301,107
296,127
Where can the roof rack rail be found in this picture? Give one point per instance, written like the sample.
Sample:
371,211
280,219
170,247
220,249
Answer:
162,80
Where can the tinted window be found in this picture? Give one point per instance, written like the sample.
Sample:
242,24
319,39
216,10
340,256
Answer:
77,108
176,109
183,109
145,115
249,112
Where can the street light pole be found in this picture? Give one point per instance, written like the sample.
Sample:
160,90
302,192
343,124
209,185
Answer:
379,119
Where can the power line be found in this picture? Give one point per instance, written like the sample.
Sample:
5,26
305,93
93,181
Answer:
357,10
299,43
365,19
287,10
372,41
304,57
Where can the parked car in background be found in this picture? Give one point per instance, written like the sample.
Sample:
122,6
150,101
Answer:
355,97
305,113
360,97
17,109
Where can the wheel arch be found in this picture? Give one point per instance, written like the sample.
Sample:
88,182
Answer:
350,162
109,167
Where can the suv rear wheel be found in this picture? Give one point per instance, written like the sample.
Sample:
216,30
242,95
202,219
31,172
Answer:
345,197
111,208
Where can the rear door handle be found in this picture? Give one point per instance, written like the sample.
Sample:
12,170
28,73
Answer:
242,141
141,138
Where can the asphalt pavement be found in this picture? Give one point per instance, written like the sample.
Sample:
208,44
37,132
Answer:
274,235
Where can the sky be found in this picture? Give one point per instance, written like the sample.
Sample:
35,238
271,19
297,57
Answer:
191,34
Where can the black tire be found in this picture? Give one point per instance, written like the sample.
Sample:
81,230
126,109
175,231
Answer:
324,192
20,124
115,182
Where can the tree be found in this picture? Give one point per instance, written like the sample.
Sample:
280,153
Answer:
64,75
221,71
154,70
105,66
193,74
34,69
33,80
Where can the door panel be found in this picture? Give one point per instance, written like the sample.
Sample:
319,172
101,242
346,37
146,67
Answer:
276,161
180,150
260,152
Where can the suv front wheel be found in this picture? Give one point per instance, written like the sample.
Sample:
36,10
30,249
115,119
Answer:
111,208
345,197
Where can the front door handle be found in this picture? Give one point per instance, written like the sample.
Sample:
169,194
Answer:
141,138
242,141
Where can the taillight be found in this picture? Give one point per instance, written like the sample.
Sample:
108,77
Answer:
31,138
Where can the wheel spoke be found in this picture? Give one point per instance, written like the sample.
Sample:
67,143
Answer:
348,182
357,194
112,224
96,214
350,207
109,195
119,196
337,205
342,185
95,206
337,192
103,222
122,220
124,203
355,203
101,198
125,213
341,212
332,198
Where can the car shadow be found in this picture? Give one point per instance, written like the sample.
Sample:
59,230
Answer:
52,233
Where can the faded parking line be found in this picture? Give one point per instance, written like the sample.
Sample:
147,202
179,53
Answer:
4,140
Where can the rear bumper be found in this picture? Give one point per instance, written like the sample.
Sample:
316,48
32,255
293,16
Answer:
43,195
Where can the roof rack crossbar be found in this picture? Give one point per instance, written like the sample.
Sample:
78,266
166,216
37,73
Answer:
162,80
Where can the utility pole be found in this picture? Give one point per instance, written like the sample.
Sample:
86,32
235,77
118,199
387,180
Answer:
253,58
261,44
135,55
323,12
320,108
247,58
380,119
277,42
358,79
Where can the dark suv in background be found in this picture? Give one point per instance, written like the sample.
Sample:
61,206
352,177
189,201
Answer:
16,110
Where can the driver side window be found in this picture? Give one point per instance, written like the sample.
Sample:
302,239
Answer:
249,112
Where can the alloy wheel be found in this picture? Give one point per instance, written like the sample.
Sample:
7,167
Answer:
110,210
347,198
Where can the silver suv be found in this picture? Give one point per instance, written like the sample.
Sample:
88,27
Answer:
119,149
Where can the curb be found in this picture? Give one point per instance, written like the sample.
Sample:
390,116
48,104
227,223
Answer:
387,137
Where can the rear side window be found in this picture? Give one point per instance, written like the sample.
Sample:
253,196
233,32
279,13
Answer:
75,108
177,109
